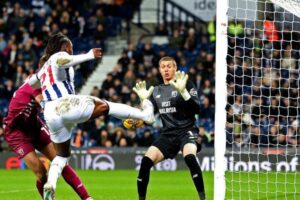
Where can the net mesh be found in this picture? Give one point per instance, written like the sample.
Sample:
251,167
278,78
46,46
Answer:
262,128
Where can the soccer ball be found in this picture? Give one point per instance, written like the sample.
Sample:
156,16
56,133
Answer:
133,123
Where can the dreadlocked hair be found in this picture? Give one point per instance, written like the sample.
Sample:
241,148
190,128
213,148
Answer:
54,45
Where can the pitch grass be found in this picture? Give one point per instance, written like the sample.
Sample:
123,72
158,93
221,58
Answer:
263,185
106,185
121,185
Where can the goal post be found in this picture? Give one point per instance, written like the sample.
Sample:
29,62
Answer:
257,116
220,99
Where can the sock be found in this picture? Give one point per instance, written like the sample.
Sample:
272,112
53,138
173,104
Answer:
124,111
74,181
56,167
143,178
196,174
39,186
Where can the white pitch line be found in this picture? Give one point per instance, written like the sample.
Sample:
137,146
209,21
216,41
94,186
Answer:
15,191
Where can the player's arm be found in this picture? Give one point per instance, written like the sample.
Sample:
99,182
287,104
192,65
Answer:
65,60
34,81
194,102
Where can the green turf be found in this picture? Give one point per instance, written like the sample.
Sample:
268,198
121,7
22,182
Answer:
108,185
121,185
262,185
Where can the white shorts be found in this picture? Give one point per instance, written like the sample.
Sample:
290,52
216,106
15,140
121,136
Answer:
62,114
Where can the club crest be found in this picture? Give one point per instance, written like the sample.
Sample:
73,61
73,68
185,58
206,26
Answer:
193,92
174,93
21,151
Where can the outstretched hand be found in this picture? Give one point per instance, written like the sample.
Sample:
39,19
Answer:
180,84
141,90
97,53
181,79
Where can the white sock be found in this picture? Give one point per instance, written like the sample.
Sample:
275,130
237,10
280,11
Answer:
56,167
124,111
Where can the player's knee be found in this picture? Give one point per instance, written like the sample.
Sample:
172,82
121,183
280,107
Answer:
101,108
147,163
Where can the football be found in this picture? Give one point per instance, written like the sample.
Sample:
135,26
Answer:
133,123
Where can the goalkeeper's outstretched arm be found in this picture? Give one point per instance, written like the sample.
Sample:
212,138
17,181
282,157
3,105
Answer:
187,90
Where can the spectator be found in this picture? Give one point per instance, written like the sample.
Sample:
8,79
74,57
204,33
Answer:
176,41
118,136
100,36
292,135
2,42
161,30
129,78
132,139
146,139
206,109
79,139
105,139
191,40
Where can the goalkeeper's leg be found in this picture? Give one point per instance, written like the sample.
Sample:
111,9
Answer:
189,153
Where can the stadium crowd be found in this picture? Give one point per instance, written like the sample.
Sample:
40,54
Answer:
263,85
26,25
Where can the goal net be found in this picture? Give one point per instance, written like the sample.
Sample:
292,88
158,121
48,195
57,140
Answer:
262,129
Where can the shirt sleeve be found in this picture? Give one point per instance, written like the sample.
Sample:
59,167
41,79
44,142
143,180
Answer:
34,81
194,102
37,91
65,60
153,100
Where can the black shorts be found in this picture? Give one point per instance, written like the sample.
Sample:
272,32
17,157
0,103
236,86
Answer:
171,144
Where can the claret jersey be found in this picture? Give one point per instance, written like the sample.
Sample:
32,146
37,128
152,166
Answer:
23,104
175,112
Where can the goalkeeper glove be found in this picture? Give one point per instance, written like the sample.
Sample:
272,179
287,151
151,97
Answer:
141,91
180,84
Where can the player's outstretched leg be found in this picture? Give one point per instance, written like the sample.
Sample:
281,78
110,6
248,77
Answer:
124,111
74,181
196,173
143,178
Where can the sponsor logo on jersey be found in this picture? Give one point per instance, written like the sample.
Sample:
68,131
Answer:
167,110
193,92
174,93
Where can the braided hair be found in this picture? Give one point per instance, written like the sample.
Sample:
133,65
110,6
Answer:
54,45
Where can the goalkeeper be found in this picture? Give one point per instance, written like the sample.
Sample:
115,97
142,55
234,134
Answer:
177,102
